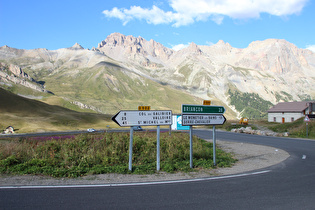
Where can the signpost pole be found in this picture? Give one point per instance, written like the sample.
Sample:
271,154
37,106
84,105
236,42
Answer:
306,130
214,145
130,148
158,148
203,115
306,119
191,145
170,131
146,117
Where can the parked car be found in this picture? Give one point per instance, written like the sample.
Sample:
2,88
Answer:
137,128
91,130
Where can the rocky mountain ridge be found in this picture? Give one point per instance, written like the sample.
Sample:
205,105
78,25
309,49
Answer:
13,74
276,70
265,67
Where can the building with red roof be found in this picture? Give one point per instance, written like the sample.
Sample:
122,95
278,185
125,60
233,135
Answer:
290,111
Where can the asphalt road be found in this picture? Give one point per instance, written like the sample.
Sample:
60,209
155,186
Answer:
288,185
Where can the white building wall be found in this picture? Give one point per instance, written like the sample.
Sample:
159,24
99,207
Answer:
287,116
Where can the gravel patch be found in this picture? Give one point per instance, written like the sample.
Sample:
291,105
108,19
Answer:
250,157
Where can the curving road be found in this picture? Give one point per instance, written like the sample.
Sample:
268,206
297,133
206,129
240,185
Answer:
288,185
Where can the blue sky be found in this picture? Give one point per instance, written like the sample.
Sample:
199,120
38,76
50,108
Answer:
30,24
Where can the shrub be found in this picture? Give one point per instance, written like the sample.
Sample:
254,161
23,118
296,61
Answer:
106,153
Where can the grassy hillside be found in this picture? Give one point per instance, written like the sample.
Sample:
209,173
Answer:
110,88
251,105
106,87
296,129
29,115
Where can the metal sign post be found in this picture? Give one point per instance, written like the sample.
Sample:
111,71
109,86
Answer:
306,130
214,145
306,119
191,145
143,118
202,115
158,148
130,148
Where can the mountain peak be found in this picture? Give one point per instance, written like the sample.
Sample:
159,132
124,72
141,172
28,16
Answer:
271,42
118,39
123,48
193,47
77,46
221,43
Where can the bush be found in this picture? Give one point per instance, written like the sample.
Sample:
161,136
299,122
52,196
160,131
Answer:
105,153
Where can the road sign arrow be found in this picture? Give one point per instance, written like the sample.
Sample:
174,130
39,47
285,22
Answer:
115,118
203,119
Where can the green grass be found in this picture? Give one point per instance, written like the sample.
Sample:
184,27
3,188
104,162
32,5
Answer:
22,90
112,88
107,87
251,105
296,129
74,156
29,115
243,71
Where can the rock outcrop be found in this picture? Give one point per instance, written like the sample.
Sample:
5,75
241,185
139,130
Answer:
85,106
132,49
14,74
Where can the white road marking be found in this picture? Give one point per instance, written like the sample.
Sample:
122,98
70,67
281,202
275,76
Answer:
304,157
136,183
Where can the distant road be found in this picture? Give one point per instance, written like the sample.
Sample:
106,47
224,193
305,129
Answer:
58,133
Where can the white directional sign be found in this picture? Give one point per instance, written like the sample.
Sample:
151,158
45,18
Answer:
143,118
203,119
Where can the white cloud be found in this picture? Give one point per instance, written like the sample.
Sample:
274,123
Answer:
152,16
311,47
179,46
186,12
117,13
